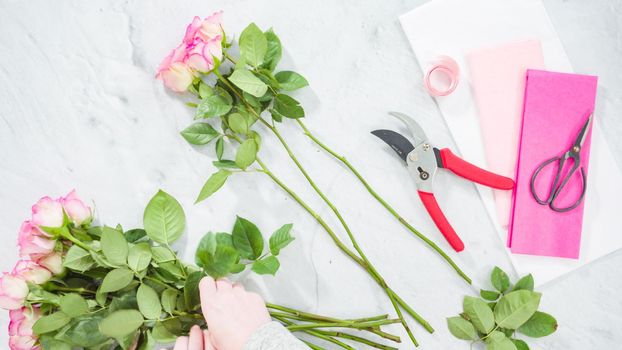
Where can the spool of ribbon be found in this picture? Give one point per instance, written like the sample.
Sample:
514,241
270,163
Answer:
442,76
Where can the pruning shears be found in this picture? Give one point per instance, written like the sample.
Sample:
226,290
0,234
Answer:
423,160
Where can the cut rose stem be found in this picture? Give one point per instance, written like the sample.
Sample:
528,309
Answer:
383,202
362,259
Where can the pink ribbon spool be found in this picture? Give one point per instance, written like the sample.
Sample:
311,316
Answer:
446,66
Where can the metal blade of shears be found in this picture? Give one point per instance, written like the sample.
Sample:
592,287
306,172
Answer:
399,143
583,132
414,128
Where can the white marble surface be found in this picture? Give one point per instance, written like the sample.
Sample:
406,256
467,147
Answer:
79,108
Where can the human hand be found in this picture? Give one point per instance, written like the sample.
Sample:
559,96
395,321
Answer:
197,340
232,314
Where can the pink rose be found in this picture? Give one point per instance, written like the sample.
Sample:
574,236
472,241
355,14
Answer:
32,272
52,262
201,43
21,336
13,292
33,241
47,212
75,208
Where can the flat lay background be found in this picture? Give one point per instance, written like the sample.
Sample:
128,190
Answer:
80,108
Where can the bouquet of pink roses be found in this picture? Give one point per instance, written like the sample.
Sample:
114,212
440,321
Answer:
97,287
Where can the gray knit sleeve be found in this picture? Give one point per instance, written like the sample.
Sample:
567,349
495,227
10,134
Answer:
273,336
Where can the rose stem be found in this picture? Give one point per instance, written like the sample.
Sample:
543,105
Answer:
316,334
381,200
363,261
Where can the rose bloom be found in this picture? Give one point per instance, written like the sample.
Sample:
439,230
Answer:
52,262
33,241
202,42
32,272
21,336
47,212
76,210
13,291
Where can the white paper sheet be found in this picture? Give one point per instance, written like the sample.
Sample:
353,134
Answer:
456,27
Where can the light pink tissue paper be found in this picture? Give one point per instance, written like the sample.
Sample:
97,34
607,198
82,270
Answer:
498,83
556,107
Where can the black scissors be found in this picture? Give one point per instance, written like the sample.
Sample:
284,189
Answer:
559,183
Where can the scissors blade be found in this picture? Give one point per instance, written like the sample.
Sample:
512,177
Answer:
399,143
416,130
583,132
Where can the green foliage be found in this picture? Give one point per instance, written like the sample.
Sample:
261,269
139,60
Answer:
73,305
116,279
253,45
289,80
213,184
247,153
148,302
266,266
212,106
50,323
121,323
199,133
507,311
274,52
248,82
114,246
288,107
164,219
247,239
280,239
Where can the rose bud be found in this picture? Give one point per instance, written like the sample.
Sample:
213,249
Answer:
76,210
47,212
52,262
33,241
21,336
13,292
31,272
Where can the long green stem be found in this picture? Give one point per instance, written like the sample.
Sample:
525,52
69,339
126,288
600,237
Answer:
361,340
383,202
363,259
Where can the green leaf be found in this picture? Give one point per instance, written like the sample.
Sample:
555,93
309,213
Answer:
276,116
162,335
121,323
289,80
246,154
253,45
148,342
205,90
162,254
274,52
164,219
515,308
479,313
498,341
266,266
248,82
220,148
215,257
489,294
225,164
135,235
520,345
199,133
49,343
148,302
78,259
525,283
238,124
115,280
73,305
191,289
288,107
50,323
539,325
247,239
280,239
169,300
500,279
461,328
114,246
212,106
139,257
213,184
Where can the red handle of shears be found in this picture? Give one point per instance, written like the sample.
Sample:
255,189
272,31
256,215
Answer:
431,205
474,173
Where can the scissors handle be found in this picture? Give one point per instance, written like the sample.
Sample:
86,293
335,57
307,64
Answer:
431,205
559,183
472,172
